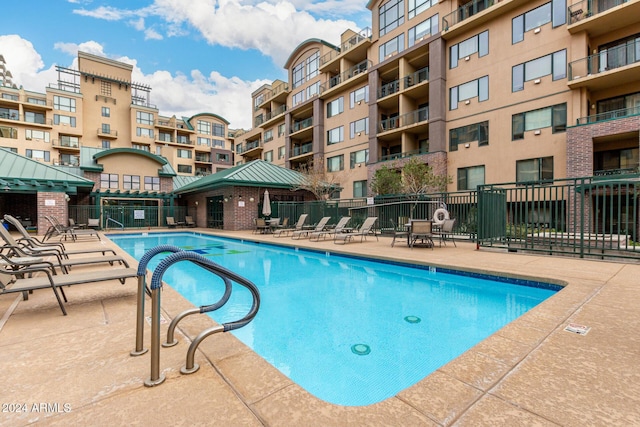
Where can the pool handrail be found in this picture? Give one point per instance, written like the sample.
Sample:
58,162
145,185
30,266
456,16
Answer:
156,286
142,289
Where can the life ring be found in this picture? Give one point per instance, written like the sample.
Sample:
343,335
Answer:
440,215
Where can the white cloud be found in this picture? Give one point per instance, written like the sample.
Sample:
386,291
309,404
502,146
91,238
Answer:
151,34
180,95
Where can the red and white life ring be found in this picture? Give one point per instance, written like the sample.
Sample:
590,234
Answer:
440,215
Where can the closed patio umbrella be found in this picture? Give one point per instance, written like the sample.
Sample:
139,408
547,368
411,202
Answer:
266,204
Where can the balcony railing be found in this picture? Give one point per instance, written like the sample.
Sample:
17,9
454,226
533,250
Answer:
415,78
250,145
623,171
281,88
109,132
407,119
609,115
66,144
276,112
165,138
404,154
362,67
303,124
609,59
353,41
587,8
203,158
74,162
299,150
10,116
464,12
389,89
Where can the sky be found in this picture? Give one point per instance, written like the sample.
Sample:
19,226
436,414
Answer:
197,55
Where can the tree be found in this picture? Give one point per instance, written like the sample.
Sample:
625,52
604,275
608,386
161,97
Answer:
387,180
317,181
418,178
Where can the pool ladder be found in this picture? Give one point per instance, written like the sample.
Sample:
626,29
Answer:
227,276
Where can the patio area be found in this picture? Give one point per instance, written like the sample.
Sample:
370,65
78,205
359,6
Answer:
76,369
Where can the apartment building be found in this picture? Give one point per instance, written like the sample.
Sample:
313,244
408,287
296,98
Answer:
97,123
483,91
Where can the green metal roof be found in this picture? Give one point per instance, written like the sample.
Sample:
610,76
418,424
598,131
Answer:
180,181
257,173
19,173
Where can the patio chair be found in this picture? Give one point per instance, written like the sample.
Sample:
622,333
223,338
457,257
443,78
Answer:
299,226
261,226
445,232
298,234
189,222
93,223
171,222
365,230
28,241
340,227
421,229
57,228
10,283
399,231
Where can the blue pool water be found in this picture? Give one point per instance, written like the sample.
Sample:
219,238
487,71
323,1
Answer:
348,330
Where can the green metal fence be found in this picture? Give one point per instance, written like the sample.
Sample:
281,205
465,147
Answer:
127,216
585,217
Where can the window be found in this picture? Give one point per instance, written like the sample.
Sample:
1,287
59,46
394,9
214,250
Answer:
218,129
391,15
621,105
313,90
69,160
335,107
106,143
184,154
392,46
423,29
268,156
59,119
144,118
106,112
184,169
474,89
359,95
222,158
281,129
37,134
358,157
8,132
470,178
555,64
360,188
32,117
64,104
12,149
258,100
335,164
335,135
204,127
554,11
554,117
108,180
38,101
69,141
281,152
477,44
297,75
131,182
416,7
268,135
534,170
165,136
217,143
184,139
145,132
106,129
358,127
9,113
467,134
38,155
152,183
297,98
105,88
312,65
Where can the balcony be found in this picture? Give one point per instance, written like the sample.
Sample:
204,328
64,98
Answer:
412,119
268,117
402,155
301,150
201,158
609,115
474,14
252,148
617,172
616,66
353,75
71,161
278,94
107,133
62,143
164,138
602,17
353,49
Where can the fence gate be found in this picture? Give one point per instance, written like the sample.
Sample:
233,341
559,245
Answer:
492,215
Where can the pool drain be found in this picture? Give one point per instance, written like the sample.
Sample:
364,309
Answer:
412,319
360,349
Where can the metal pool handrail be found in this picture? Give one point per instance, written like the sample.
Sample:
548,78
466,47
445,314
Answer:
156,286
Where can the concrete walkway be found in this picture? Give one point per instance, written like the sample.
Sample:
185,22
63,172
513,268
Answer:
76,369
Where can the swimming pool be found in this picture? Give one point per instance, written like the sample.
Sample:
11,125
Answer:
348,330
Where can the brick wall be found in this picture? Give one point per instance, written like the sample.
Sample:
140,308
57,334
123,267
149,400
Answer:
53,204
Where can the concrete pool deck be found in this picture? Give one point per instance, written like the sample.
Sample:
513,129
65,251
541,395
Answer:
76,369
